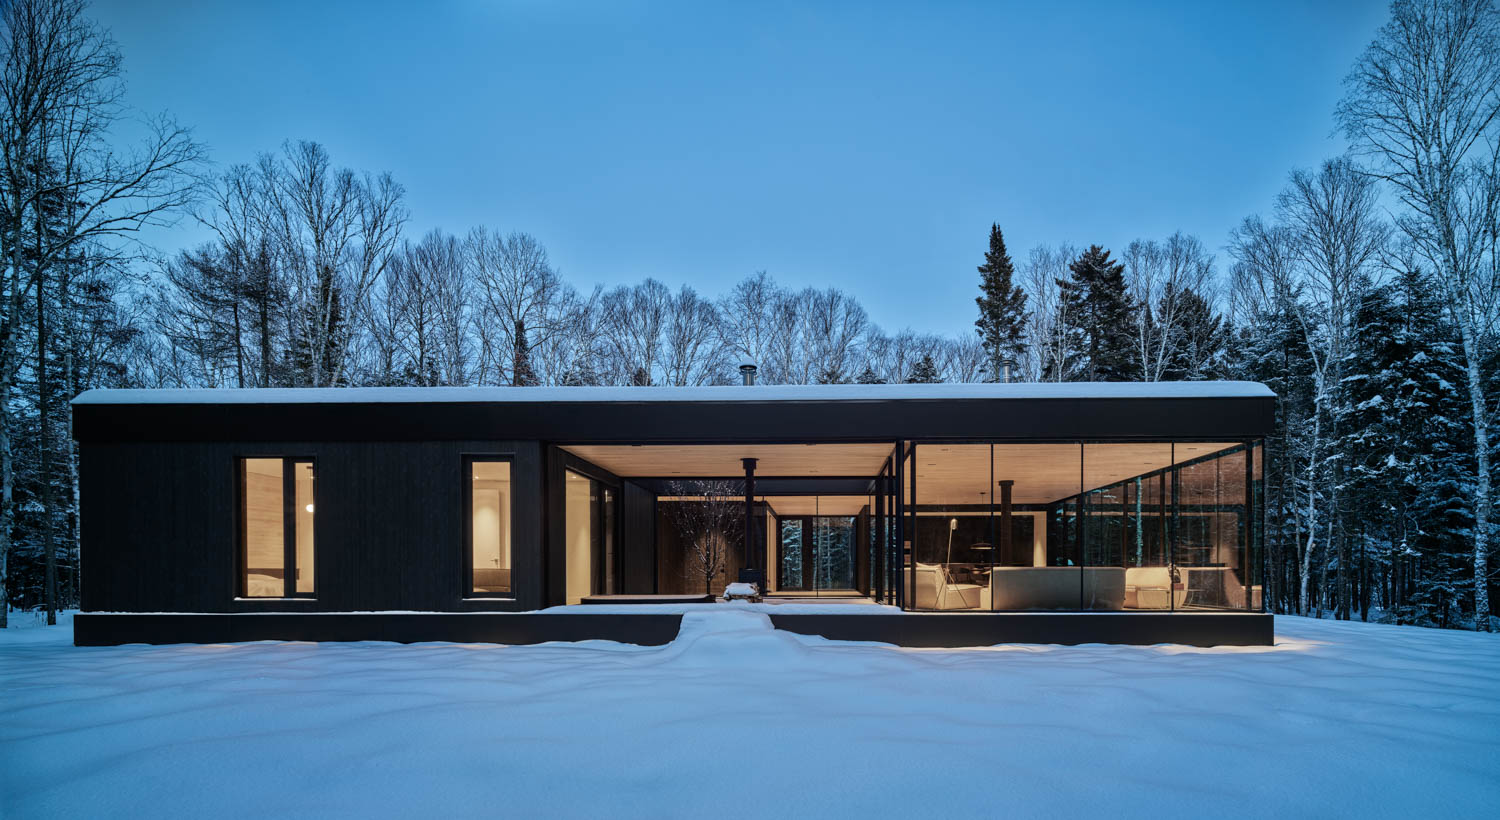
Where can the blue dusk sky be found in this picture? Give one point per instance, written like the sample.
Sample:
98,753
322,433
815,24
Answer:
866,146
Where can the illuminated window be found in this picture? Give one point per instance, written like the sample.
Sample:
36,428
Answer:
592,565
276,528
489,497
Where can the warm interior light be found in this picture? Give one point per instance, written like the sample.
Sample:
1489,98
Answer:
309,508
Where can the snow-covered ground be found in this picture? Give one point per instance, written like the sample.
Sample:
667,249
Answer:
737,719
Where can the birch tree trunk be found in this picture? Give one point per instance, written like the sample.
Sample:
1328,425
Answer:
1305,570
1482,489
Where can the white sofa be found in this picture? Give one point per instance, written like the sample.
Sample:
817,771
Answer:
1057,588
1148,588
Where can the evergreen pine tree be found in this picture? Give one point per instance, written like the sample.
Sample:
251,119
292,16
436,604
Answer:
522,374
1100,319
1403,443
1198,338
924,372
868,376
1002,307
1270,349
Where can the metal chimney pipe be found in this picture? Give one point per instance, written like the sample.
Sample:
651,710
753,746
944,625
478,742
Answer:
1005,528
754,552
747,374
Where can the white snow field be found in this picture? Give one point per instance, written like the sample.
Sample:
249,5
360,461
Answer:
735,719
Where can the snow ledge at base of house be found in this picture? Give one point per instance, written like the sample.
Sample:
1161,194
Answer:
725,393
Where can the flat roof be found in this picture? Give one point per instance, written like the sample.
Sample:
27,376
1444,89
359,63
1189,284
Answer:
668,395
1210,411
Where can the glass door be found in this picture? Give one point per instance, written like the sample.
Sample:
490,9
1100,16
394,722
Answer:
833,554
817,553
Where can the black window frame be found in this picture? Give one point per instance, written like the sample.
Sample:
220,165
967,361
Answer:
288,528
466,479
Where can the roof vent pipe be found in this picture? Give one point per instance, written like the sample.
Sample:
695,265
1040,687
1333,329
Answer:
747,373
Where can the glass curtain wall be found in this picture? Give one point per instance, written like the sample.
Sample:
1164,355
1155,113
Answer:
952,528
1123,541
1212,530
1042,566
816,553
1156,526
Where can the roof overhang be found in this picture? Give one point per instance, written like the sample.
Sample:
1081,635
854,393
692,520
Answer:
766,414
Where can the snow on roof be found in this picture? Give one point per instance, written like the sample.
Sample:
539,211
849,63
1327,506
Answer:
728,393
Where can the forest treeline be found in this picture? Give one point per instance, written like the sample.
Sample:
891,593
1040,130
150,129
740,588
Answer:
1364,295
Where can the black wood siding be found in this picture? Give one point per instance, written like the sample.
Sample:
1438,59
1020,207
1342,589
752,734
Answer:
159,526
638,539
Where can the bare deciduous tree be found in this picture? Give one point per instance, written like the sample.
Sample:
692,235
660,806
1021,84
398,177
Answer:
1049,324
1336,235
419,320
747,320
523,304
691,351
1162,277
68,186
335,231
709,516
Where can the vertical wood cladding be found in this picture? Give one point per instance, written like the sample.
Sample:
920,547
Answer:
159,525
638,539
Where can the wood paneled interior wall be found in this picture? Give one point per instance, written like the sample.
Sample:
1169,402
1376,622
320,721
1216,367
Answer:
265,535
159,528
675,572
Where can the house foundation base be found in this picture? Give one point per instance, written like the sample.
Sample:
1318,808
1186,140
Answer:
913,629
953,630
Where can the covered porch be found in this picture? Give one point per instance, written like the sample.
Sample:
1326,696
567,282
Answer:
942,526
808,521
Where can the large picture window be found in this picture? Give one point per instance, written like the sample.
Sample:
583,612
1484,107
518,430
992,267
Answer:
489,520
1084,526
277,508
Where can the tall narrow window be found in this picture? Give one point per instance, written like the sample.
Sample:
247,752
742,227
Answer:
593,563
489,528
277,507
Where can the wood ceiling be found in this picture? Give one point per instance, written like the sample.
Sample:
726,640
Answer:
723,461
946,473
785,505
960,473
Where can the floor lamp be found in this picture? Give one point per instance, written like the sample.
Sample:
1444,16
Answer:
952,525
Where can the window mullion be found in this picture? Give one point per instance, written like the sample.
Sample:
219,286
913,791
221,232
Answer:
289,527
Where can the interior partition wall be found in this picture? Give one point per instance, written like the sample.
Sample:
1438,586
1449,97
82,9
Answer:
1083,526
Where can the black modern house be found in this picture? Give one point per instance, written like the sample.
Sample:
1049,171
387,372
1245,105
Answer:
980,513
